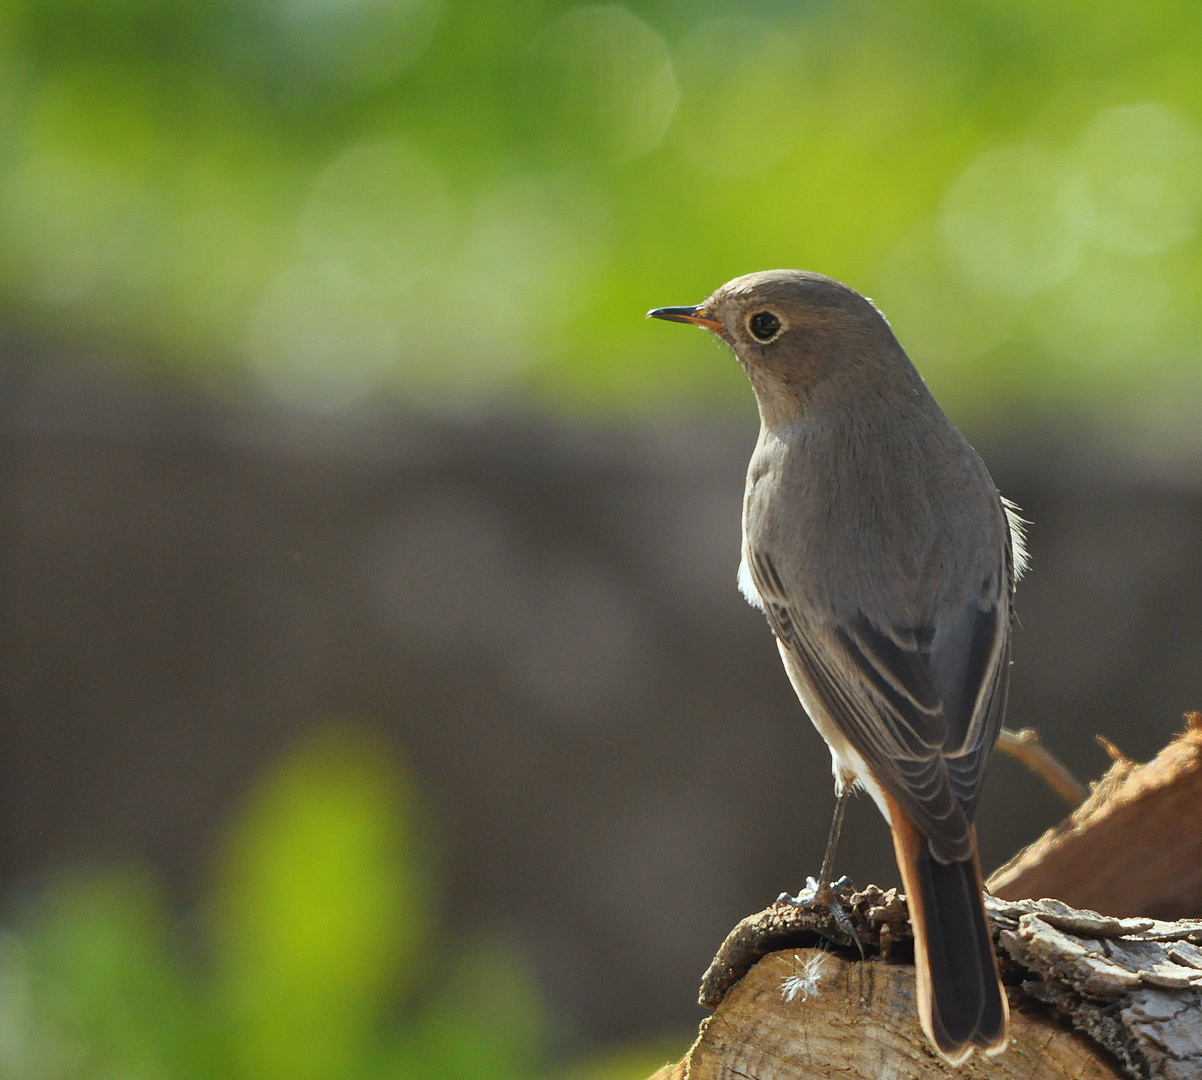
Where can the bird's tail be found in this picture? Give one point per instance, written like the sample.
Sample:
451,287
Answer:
961,1002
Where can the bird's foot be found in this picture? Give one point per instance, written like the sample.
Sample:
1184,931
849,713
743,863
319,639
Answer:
826,896
816,895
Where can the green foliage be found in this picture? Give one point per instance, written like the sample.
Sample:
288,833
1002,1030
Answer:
471,198
94,989
307,935
483,1023
315,961
628,1062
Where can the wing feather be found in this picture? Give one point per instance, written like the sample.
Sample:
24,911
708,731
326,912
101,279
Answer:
921,705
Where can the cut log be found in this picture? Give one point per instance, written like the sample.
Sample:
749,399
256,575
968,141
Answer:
811,1013
1133,848
1091,997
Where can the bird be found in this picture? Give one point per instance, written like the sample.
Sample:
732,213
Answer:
885,559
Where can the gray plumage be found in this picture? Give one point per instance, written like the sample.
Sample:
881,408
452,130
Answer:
885,560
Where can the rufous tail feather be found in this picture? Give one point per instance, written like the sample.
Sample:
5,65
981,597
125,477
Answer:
961,1001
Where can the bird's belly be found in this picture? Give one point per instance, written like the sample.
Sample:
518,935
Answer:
846,763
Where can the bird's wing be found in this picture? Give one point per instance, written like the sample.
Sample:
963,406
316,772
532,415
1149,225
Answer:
922,706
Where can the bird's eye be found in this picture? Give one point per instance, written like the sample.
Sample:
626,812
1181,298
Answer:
764,325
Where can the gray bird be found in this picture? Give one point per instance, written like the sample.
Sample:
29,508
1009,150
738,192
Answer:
885,560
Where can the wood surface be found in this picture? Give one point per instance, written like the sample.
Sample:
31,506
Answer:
1091,997
1134,847
812,1013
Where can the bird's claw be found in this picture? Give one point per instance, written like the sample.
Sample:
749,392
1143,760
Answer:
814,894
826,896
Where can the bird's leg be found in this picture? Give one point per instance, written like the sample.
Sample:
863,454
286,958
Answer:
824,891
824,887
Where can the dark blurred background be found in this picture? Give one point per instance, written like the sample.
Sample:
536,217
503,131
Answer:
368,562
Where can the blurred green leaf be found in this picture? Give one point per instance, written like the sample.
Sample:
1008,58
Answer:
485,1021
635,1062
104,993
319,921
321,911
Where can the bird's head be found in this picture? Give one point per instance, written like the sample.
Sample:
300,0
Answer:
790,329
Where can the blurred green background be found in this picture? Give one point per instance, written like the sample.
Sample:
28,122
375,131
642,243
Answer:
330,201
463,206
313,957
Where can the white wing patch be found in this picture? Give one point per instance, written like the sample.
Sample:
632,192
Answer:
1018,538
747,586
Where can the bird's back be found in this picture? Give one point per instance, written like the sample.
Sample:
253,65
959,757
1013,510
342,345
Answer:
862,507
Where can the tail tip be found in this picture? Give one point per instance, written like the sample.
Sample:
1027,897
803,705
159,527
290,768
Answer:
998,1044
957,1051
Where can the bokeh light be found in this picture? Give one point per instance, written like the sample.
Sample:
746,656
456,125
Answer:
612,87
745,107
337,201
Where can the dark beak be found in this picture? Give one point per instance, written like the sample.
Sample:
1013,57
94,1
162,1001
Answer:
698,316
